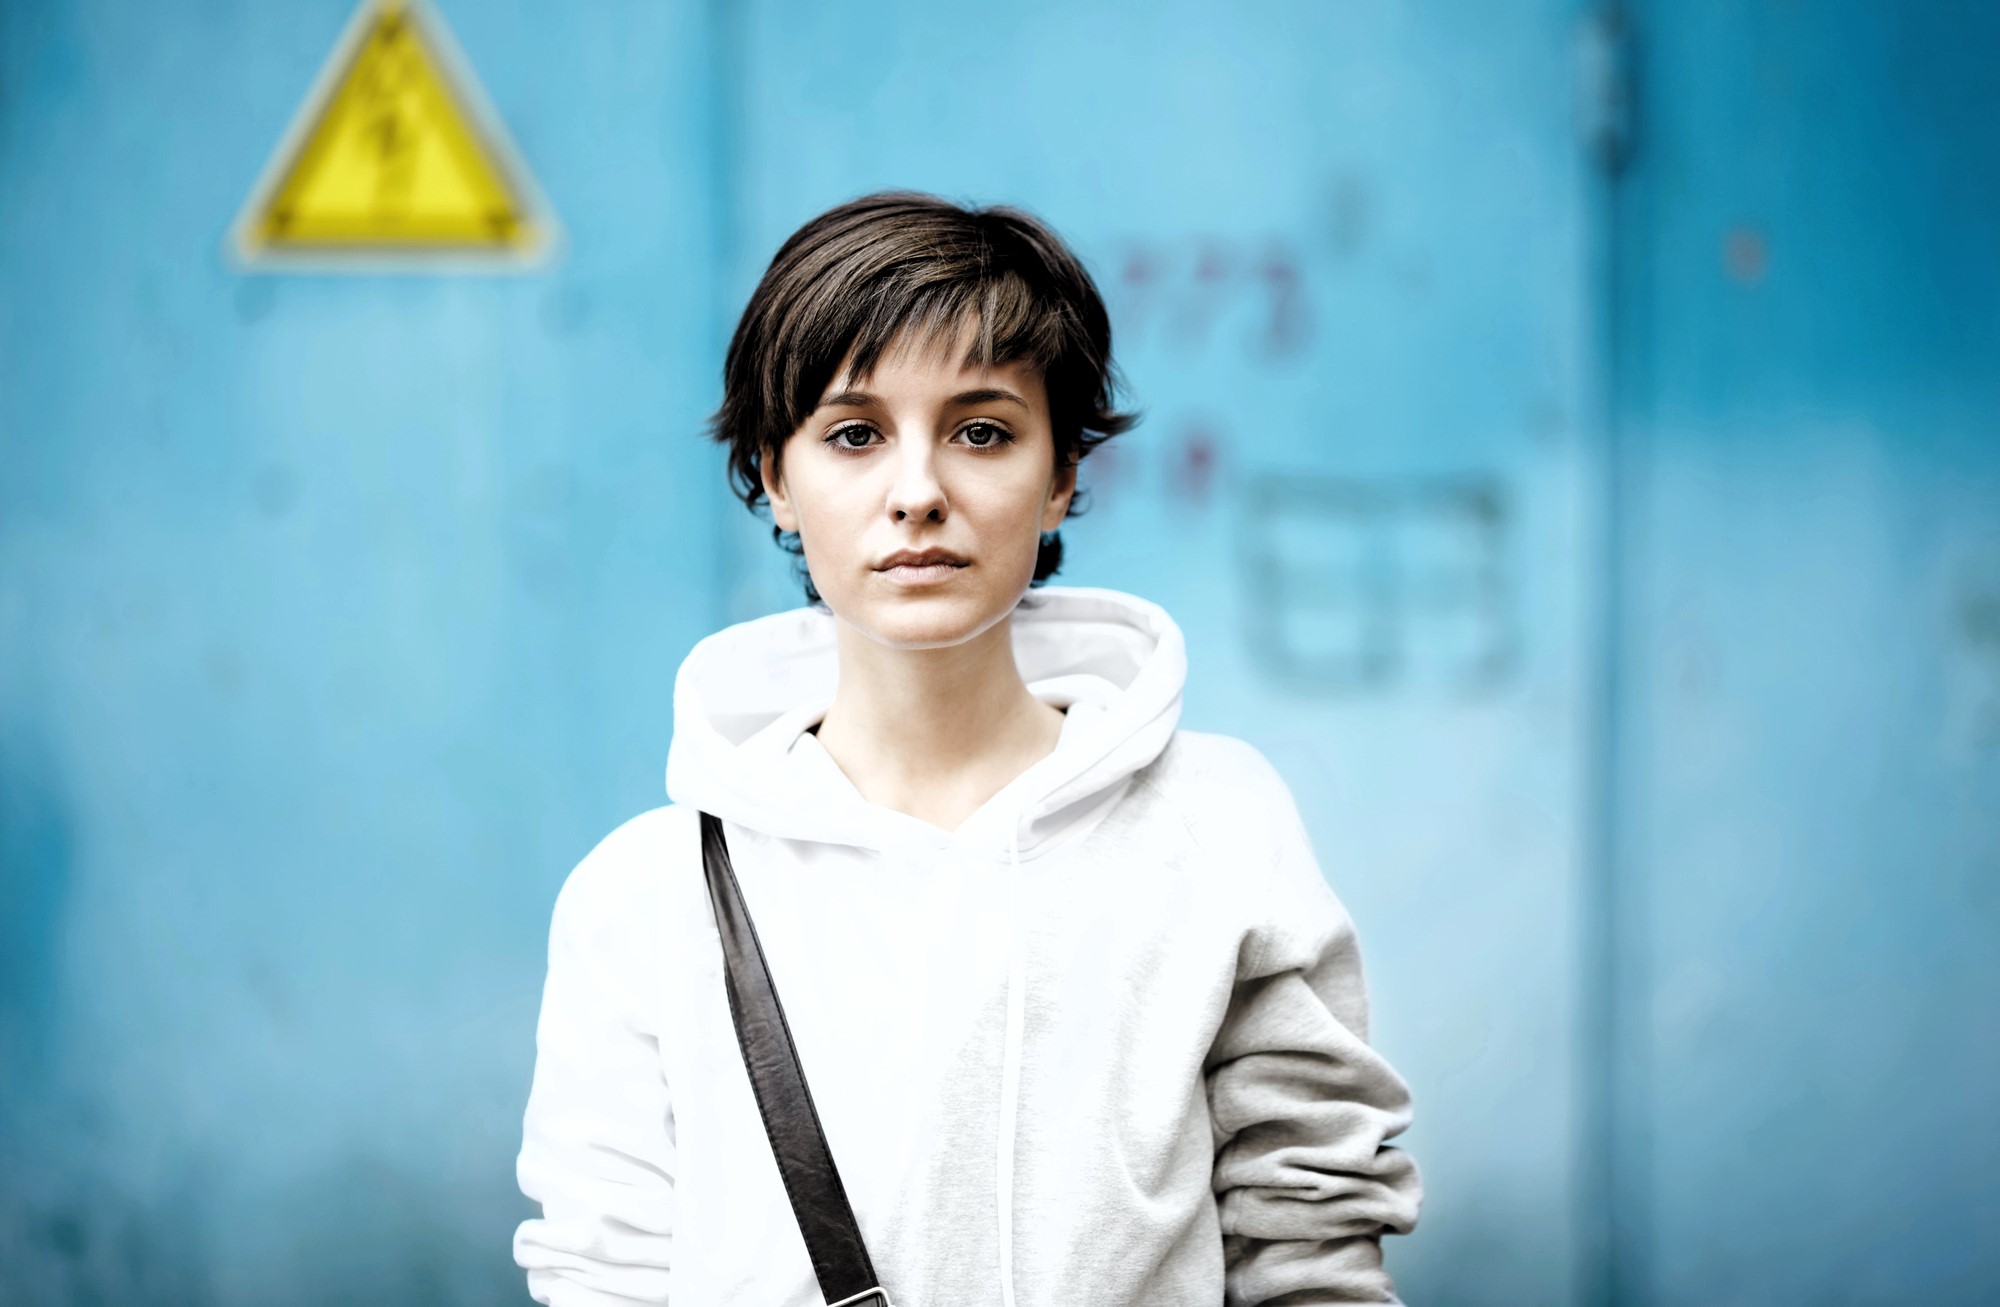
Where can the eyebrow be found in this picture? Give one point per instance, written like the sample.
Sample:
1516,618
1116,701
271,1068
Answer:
988,395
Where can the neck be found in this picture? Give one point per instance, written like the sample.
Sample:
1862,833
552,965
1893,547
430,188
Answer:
935,732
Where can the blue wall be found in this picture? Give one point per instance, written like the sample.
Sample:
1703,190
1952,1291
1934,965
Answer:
338,616
1807,750
1608,555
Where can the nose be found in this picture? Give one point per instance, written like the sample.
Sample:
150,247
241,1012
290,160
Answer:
916,491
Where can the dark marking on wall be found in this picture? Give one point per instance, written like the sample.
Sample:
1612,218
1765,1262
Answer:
66,1235
36,857
1357,586
1203,293
1456,616
1194,464
1316,585
1745,255
1288,324
1208,294
1349,215
1976,646
1136,292
82,1237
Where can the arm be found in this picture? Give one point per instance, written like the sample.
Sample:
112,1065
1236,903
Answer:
597,1148
1302,1105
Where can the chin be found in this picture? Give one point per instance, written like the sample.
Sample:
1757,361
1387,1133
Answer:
923,618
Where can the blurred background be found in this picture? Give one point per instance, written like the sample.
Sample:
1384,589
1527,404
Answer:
1572,447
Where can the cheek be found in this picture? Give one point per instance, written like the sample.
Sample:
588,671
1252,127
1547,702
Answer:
829,511
1010,516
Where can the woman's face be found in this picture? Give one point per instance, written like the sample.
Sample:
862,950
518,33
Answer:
924,454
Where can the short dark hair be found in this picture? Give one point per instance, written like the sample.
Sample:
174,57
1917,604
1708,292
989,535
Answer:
851,279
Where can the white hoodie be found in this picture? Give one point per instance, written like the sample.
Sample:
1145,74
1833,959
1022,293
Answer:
1104,1045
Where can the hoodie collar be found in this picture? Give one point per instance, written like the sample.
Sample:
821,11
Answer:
745,695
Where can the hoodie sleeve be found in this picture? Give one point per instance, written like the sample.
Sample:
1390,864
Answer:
597,1148
1305,1182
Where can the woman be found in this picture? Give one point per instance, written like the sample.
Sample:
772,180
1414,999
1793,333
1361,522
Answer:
1082,1020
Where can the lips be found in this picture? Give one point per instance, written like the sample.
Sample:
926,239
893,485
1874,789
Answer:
921,558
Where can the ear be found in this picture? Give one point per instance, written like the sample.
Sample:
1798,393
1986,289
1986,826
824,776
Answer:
1061,490
781,503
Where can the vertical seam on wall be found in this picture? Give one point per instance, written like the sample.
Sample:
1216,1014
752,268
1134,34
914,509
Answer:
1613,1151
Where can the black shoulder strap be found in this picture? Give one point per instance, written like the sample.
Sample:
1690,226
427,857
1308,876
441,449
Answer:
819,1200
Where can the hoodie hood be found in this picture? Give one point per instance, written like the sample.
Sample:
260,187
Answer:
745,695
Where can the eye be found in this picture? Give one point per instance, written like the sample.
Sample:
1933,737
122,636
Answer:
996,436
835,436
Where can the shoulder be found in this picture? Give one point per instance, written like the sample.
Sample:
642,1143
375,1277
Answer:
618,888
1238,801
1219,776
1228,795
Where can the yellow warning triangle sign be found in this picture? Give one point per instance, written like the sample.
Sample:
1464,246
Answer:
394,156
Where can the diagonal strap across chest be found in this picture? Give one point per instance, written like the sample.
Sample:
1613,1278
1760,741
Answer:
812,1181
